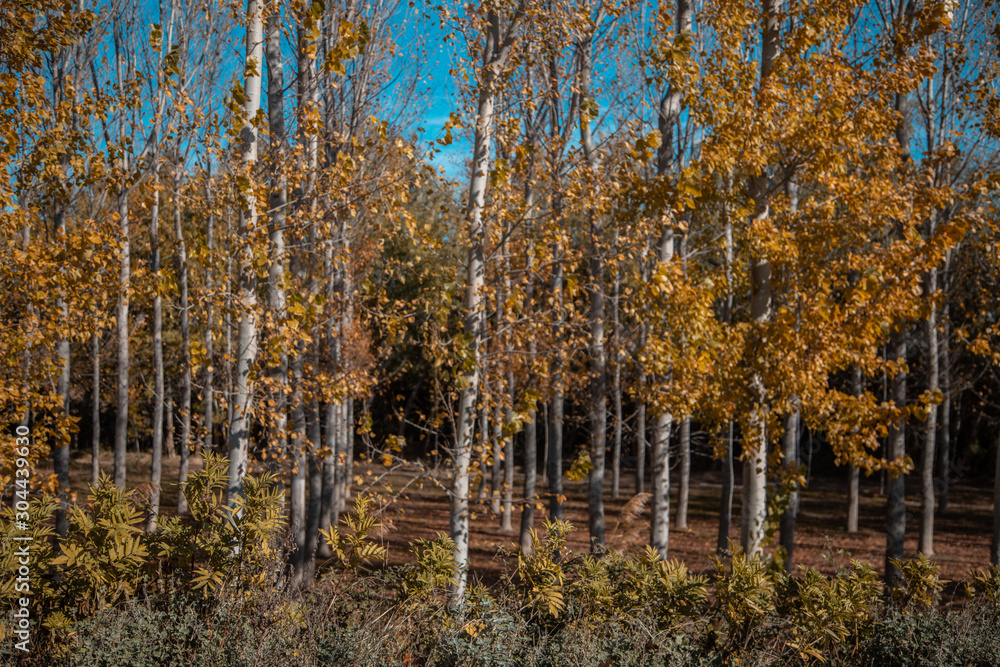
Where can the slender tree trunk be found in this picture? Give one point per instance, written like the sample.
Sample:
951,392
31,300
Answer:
208,392
530,481
498,459
616,392
297,505
926,546
121,414
640,444
95,410
755,454
60,451
168,422
598,363
945,464
494,55
507,510
553,466
728,473
484,441
790,460
239,430
315,491
278,201
156,469
684,486
853,474
896,504
660,460
726,501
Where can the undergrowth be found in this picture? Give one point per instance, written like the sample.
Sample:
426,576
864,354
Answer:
211,589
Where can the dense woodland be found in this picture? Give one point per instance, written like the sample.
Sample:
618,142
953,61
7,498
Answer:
648,235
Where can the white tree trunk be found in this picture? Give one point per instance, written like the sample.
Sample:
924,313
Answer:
660,461
246,350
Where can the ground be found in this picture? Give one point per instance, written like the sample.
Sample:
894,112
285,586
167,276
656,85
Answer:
962,538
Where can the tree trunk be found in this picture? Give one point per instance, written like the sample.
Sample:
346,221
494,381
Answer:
297,504
790,460
121,413
726,501
239,429
95,410
853,474
530,480
945,435
598,363
493,56
755,443
896,503
660,461
640,444
616,392
207,392
60,450
315,492
926,546
484,442
156,471
276,235
684,487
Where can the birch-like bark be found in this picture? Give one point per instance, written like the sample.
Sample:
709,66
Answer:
278,200
598,363
475,273
246,352
660,461
495,53
755,442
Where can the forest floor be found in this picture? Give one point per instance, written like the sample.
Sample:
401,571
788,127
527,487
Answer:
961,539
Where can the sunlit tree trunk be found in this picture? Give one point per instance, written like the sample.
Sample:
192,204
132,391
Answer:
495,52
755,440
660,461
246,352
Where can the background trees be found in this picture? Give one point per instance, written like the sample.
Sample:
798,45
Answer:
743,220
